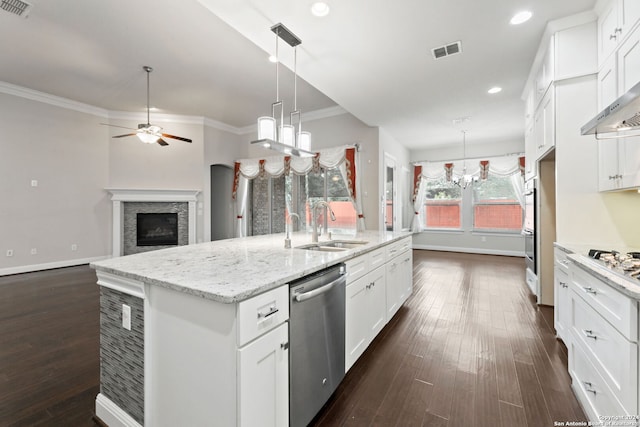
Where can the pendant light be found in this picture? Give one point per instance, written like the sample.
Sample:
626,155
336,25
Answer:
466,179
284,138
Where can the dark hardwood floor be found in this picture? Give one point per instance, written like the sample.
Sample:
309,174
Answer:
469,348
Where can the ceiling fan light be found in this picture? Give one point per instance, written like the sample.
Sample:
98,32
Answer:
147,138
521,17
304,140
266,128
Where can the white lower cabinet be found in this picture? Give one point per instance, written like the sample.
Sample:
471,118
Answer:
602,344
561,304
263,380
365,308
399,281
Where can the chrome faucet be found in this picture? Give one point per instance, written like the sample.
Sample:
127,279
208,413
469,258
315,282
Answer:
314,218
288,226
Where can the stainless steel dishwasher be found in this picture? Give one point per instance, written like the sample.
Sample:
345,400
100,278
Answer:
316,341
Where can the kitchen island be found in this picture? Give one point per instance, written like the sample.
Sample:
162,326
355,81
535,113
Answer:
197,335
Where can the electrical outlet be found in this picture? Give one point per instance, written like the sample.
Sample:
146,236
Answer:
34,251
74,247
34,182
126,317
9,252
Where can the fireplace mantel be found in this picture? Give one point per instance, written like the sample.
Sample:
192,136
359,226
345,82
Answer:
118,196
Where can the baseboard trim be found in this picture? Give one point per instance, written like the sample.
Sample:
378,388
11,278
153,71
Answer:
481,251
48,266
111,414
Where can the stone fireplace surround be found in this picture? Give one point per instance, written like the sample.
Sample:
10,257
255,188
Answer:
121,196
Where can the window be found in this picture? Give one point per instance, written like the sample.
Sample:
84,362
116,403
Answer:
327,185
495,205
443,203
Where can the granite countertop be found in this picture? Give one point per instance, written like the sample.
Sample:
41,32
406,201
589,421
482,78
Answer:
233,270
578,255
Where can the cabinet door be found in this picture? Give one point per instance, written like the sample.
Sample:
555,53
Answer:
393,279
264,380
629,62
356,320
628,14
607,34
629,161
561,308
377,302
530,151
607,83
608,177
544,130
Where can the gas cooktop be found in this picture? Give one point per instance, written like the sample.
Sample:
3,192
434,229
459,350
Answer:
627,264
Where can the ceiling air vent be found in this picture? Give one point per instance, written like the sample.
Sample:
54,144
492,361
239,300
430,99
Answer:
16,7
447,50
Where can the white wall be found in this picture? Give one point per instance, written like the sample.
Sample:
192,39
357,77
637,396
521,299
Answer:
468,241
67,152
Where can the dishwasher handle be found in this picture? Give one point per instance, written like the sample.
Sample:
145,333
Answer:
322,289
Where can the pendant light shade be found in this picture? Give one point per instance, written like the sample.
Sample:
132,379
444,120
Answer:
304,140
147,138
287,134
266,128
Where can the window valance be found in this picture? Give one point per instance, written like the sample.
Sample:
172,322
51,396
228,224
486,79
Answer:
481,167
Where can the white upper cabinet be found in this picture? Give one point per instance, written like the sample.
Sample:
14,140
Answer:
545,74
615,22
629,62
607,83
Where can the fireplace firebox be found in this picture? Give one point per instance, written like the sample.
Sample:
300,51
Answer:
157,229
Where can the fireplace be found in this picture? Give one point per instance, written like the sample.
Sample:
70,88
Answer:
129,203
157,229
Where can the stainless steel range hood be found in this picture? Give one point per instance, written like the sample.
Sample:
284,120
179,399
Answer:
622,115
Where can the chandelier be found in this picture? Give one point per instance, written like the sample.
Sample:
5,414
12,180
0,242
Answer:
466,179
283,137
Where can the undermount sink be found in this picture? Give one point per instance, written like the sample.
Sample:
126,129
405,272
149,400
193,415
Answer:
333,245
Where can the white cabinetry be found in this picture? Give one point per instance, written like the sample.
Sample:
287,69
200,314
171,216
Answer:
365,313
263,379
544,124
399,276
603,347
628,60
615,22
561,295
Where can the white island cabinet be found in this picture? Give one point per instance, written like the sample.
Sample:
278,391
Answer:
199,334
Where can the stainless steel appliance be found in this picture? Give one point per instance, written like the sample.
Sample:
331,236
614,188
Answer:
316,341
621,115
529,233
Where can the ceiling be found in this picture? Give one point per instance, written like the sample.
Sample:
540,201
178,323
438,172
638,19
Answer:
373,58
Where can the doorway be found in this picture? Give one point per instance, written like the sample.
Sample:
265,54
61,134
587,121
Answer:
222,221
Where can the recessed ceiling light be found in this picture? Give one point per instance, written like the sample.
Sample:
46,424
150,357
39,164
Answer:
521,17
495,89
272,58
320,9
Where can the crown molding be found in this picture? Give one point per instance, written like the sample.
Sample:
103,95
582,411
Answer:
34,95
58,101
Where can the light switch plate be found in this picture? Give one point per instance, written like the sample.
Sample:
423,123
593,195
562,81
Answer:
126,317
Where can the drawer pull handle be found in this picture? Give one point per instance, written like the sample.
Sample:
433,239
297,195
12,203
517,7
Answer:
590,290
284,346
272,310
589,334
589,387
564,284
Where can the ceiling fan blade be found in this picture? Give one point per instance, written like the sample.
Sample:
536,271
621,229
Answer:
116,126
126,134
162,142
166,135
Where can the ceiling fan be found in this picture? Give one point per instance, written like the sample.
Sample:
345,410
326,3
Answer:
148,133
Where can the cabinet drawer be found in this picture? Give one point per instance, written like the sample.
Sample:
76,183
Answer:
596,398
376,258
612,354
560,260
618,309
357,267
396,248
262,313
